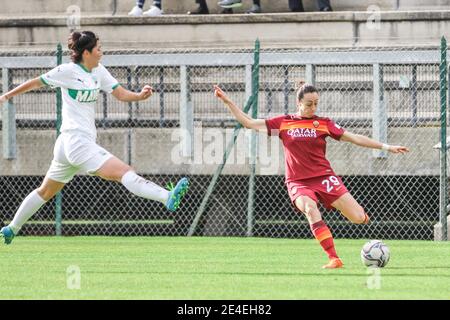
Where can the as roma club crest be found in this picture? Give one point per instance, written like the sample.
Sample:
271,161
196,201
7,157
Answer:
316,124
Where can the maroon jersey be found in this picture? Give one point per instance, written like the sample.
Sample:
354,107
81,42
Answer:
304,144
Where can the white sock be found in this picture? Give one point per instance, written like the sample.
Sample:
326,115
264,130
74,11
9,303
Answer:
144,188
29,206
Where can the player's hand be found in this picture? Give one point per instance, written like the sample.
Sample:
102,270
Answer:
218,92
398,149
146,92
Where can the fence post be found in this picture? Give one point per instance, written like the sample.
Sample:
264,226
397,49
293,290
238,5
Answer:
443,149
161,89
249,86
253,144
186,113
413,89
248,81
8,121
59,195
379,114
130,87
311,74
286,89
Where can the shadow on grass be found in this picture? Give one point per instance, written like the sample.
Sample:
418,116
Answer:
324,273
419,268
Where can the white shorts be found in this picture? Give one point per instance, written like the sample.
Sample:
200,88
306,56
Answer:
73,153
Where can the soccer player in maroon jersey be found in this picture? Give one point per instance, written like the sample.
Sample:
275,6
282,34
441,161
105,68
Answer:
309,176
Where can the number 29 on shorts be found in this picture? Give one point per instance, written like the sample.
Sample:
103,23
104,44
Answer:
330,183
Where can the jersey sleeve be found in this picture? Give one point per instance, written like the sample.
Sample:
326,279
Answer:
57,77
107,82
336,131
273,125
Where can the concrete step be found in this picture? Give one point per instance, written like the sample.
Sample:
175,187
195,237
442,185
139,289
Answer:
176,6
342,29
87,7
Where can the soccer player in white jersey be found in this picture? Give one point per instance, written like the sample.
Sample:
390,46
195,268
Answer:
76,149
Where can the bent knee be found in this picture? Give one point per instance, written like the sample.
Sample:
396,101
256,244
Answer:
360,217
310,208
311,212
45,193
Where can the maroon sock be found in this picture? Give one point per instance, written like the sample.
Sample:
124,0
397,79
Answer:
325,238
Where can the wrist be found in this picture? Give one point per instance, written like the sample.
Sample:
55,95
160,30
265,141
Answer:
385,147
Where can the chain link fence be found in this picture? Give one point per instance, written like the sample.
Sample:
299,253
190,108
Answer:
391,94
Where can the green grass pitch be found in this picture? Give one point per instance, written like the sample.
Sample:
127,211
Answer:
216,268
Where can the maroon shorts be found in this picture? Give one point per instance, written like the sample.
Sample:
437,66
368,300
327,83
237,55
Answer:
325,189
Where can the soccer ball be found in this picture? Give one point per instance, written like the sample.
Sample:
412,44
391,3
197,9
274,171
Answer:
375,254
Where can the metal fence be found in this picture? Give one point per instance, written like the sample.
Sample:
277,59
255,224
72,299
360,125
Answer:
391,94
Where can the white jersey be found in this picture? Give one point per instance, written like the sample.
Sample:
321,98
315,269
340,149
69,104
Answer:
80,89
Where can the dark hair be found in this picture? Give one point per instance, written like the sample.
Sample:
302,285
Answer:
304,88
80,41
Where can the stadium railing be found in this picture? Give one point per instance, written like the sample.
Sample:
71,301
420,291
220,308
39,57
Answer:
388,93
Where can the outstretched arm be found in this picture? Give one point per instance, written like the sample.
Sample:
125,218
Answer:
24,87
125,95
241,117
367,142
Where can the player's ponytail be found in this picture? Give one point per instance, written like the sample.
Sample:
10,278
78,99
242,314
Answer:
303,88
80,41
